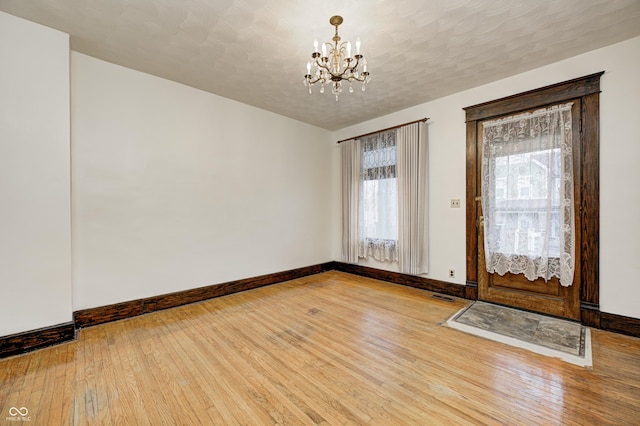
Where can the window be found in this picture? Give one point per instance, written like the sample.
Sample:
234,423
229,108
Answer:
525,185
385,199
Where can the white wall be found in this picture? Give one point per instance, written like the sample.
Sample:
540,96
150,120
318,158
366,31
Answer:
175,188
619,174
35,264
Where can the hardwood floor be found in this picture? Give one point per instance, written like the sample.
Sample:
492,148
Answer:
331,348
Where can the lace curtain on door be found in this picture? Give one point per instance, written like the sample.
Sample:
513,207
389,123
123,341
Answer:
378,207
527,195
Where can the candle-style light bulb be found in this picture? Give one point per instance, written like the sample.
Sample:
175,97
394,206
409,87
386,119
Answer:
348,49
315,45
308,67
358,46
324,50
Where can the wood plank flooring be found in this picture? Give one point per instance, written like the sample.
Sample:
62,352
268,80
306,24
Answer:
332,348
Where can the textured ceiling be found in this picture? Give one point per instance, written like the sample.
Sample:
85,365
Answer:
255,51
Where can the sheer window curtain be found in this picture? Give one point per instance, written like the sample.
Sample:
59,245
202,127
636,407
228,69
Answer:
378,206
413,236
350,199
527,195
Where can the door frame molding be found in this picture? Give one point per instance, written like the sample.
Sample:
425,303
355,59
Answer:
587,89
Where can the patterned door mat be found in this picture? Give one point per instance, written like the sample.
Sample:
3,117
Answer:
544,335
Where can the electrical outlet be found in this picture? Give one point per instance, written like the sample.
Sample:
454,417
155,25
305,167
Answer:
452,273
455,203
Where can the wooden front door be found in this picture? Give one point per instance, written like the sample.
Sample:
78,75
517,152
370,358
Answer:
514,289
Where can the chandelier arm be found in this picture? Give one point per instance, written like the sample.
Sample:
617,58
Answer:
357,58
310,81
350,69
324,67
348,74
344,74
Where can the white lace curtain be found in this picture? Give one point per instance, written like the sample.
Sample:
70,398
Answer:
527,195
378,203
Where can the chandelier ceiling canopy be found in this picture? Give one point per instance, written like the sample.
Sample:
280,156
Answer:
336,65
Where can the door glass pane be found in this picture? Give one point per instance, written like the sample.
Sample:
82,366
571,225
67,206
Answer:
526,185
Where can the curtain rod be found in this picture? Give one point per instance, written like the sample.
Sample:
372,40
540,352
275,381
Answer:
384,130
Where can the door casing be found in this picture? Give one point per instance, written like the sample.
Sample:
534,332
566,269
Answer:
585,89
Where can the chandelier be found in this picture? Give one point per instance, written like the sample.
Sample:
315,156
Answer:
336,65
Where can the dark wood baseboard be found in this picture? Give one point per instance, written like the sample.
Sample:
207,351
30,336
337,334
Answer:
28,341
471,290
592,317
404,279
118,311
35,339
620,324
590,314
